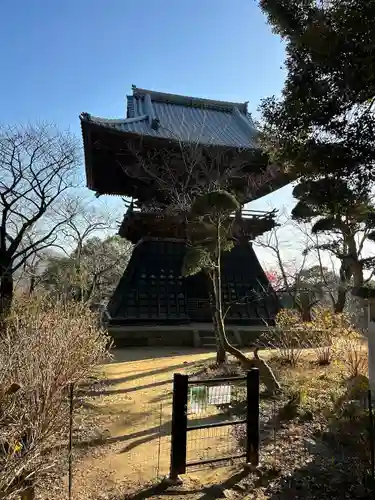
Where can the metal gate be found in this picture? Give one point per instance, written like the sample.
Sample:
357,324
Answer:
214,420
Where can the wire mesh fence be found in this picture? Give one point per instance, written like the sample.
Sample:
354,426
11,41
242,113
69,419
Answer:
213,444
121,431
217,413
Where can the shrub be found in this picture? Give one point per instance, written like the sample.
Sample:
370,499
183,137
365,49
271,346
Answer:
45,346
324,328
288,337
351,353
328,334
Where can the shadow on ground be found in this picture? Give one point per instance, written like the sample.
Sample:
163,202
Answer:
136,376
145,435
321,479
122,354
206,493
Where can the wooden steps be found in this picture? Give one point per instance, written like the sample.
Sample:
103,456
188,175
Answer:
208,340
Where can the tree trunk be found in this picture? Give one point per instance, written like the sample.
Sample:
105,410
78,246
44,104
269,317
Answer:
355,267
267,376
304,306
217,318
339,304
220,350
32,285
356,272
342,288
6,289
221,355
306,314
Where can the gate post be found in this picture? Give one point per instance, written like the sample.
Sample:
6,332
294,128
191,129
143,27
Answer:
179,426
252,425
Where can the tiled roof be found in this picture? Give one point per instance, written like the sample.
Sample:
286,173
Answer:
186,119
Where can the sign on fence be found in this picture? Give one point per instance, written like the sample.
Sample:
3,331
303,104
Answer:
200,396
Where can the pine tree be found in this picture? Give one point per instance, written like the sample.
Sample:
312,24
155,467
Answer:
210,235
322,127
324,122
349,220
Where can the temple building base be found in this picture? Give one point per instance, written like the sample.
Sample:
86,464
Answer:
199,335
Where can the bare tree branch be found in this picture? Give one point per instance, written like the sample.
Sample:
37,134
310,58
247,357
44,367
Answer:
37,165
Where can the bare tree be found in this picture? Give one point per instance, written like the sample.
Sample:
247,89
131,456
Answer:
290,270
336,283
28,276
279,244
31,271
91,251
94,276
37,165
186,168
77,246
304,276
83,221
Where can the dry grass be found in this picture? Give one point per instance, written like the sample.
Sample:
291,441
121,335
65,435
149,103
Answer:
122,427
287,338
46,346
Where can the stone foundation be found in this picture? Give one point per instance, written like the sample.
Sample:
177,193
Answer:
179,335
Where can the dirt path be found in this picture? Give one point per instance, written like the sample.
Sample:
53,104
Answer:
131,410
134,413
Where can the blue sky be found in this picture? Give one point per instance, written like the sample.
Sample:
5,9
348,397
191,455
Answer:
63,57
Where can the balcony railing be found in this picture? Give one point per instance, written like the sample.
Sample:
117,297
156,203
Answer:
248,214
245,214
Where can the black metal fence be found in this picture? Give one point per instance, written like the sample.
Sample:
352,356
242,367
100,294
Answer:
214,420
224,420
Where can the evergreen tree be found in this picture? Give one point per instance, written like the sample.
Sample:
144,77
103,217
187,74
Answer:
348,218
210,221
322,127
324,124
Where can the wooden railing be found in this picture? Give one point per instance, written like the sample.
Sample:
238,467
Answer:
245,214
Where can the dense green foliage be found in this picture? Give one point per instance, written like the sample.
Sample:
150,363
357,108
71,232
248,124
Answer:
334,208
324,122
322,127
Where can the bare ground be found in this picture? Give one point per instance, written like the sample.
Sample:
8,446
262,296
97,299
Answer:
126,451
130,414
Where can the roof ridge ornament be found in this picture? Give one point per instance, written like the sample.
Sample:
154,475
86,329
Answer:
184,100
